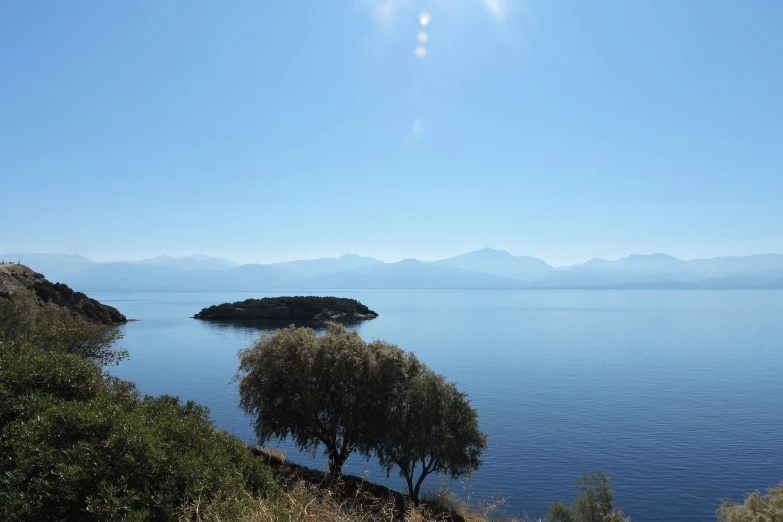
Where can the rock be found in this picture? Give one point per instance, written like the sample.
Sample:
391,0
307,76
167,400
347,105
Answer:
19,277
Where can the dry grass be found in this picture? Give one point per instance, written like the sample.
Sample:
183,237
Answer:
308,497
467,508
275,454
305,502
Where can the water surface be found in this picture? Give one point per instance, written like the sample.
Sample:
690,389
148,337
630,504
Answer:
676,394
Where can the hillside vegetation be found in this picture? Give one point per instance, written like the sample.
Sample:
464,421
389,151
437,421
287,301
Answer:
80,445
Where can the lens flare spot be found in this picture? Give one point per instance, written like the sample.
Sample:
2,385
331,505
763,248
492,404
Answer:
425,18
421,51
423,36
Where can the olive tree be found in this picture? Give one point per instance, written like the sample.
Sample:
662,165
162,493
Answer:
430,428
348,395
317,390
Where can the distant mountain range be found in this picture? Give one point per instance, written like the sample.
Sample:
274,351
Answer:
196,262
486,268
500,263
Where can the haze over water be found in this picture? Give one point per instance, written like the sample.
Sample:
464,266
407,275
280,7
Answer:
675,394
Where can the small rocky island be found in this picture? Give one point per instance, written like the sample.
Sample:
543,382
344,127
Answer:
284,311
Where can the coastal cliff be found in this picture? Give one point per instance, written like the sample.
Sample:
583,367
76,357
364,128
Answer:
15,277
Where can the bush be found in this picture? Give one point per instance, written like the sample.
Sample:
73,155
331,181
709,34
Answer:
24,317
32,379
78,445
593,504
756,508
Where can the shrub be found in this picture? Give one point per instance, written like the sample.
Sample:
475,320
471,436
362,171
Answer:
24,317
32,379
92,448
593,504
756,508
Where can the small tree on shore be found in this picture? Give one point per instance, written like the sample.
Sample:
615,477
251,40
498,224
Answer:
431,428
317,390
348,395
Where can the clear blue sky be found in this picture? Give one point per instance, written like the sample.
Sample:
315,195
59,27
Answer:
275,130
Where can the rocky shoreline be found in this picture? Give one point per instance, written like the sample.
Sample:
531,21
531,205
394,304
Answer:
15,277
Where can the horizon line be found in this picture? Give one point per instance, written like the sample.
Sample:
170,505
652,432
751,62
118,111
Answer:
555,266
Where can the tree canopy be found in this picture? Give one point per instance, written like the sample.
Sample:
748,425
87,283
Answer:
313,389
348,395
430,428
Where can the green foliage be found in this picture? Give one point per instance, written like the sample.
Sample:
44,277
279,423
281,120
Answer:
24,317
77,303
338,391
78,445
31,378
317,390
559,512
593,504
21,316
431,428
756,508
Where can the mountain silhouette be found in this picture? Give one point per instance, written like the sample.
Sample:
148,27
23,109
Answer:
500,263
484,268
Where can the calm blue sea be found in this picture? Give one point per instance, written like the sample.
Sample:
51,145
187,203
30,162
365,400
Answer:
677,395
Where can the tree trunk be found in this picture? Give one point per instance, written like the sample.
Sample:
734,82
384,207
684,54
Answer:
417,488
336,461
409,480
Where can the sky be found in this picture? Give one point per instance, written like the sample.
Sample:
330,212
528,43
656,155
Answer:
278,130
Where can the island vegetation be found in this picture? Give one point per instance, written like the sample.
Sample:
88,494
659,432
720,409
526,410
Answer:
284,311
80,445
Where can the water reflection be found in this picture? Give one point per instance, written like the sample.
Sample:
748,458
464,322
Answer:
268,325
675,394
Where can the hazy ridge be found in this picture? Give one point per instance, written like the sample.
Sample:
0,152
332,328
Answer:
481,269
